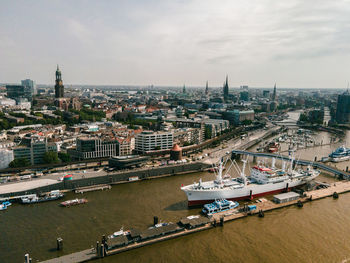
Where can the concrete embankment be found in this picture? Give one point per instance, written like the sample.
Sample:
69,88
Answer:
112,178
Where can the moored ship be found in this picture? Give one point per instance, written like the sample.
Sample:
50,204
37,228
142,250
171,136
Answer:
340,154
219,206
74,202
31,199
262,181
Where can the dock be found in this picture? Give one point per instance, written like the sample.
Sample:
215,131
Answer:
188,226
85,189
81,256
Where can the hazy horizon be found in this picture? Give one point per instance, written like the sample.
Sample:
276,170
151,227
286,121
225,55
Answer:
171,43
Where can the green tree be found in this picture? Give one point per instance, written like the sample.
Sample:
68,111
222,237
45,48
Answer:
51,157
207,133
246,122
64,157
303,117
19,162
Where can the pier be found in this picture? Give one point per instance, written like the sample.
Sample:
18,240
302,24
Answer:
85,189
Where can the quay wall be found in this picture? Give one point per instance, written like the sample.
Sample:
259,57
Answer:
114,178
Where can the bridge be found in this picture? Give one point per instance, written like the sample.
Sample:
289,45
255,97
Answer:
318,165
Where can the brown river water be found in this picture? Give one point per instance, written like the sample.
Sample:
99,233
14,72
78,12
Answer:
318,232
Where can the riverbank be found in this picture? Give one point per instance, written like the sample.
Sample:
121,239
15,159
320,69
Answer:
45,185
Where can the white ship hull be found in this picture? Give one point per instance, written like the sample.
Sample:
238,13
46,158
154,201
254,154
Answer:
340,159
203,196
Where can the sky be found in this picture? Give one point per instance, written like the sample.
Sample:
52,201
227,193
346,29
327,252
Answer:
294,43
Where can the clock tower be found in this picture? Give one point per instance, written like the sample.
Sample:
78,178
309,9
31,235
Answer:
59,88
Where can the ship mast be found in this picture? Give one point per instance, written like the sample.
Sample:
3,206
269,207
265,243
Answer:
291,155
273,164
242,172
219,176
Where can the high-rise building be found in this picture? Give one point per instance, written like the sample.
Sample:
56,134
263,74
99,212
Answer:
184,89
31,84
59,88
19,92
343,108
225,89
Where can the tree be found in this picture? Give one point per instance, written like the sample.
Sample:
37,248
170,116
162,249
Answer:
19,162
246,122
64,157
207,133
51,157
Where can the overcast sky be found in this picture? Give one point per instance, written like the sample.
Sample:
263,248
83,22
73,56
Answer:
296,43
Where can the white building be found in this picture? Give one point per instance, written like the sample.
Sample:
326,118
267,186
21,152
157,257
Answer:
6,156
151,141
7,102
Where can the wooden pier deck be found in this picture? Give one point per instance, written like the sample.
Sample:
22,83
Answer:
90,254
85,189
81,256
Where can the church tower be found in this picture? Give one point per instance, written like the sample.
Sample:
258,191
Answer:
59,88
207,89
225,89
274,95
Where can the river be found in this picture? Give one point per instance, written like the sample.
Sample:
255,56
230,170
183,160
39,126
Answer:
318,232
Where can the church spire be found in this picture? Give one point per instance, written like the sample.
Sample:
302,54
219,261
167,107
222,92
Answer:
274,93
225,89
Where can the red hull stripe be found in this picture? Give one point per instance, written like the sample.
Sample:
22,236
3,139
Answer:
202,202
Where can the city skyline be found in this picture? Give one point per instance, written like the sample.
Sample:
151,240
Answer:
295,44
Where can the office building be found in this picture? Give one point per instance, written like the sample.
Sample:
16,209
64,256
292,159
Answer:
343,108
19,92
94,148
33,148
152,141
30,84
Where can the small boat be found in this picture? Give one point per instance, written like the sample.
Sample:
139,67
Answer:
160,224
121,232
3,207
74,202
219,206
340,154
7,203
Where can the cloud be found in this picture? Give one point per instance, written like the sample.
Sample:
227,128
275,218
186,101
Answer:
170,42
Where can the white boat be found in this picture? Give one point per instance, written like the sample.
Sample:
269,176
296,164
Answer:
31,199
219,206
121,232
262,181
3,207
340,154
